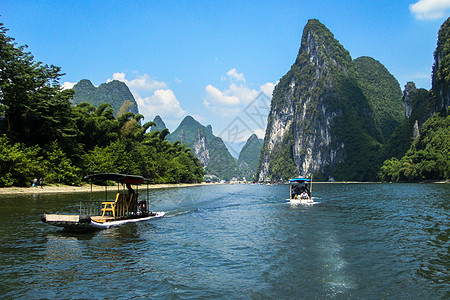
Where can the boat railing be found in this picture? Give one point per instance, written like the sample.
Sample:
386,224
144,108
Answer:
91,208
94,208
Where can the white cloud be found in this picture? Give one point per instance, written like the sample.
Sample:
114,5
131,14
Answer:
430,9
260,133
68,85
238,109
230,100
140,83
268,88
216,97
153,98
163,103
233,74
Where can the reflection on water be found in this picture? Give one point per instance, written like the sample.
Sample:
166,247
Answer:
359,241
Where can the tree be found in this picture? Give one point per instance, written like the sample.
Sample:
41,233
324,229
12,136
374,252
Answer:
24,84
18,163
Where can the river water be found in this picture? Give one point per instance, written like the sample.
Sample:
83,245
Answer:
367,241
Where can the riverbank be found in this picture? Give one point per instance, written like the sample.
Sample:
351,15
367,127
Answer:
52,189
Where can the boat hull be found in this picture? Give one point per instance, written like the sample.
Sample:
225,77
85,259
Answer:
83,223
301,201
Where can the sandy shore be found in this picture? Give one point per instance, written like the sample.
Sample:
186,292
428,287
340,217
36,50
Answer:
49,189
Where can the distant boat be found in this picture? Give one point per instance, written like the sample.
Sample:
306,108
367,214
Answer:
299,192
125,208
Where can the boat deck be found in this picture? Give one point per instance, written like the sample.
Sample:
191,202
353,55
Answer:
102,219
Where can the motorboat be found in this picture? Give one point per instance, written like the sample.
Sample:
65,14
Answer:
299,191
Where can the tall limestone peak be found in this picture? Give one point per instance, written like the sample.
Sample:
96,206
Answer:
321,121
321,49
187,131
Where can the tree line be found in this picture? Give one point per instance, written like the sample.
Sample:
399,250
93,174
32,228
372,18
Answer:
43,135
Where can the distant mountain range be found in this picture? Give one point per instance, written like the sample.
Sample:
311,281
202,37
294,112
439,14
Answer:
212,151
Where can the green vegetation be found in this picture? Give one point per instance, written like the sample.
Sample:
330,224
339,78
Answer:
428,157
382,92
43,135
402,137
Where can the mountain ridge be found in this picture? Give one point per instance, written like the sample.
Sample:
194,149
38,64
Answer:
114,92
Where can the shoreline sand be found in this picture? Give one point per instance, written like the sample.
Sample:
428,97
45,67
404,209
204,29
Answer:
53,189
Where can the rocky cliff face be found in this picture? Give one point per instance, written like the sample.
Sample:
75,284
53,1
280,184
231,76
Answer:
407,99
320,118
201,151
292,119
441,69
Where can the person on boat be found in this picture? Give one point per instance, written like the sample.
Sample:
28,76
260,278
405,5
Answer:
143,206
304,195
130,191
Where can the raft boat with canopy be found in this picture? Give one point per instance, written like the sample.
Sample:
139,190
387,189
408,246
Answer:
124,208
299,192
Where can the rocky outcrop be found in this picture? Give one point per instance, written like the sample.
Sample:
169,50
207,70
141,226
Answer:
201,150
407,99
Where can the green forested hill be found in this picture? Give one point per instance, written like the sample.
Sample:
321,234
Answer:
428,158
114,92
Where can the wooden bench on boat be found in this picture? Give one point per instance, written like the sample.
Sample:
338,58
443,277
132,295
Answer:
122,206
131,204
113,207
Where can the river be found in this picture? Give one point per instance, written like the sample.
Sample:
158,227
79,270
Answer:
368,241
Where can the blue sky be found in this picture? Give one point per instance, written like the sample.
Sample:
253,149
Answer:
212,59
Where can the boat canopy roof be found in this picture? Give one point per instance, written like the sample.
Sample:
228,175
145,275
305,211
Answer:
119,178
299,180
